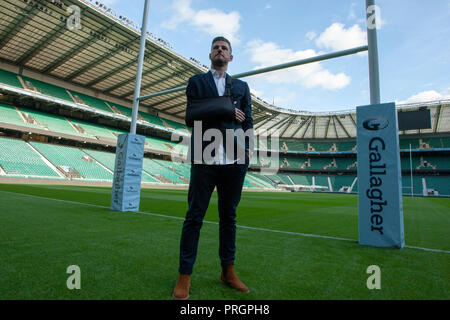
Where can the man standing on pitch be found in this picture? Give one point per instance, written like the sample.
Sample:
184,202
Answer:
226,171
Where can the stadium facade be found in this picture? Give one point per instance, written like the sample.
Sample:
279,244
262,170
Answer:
66,90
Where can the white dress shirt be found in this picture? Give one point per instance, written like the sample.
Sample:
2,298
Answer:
220,157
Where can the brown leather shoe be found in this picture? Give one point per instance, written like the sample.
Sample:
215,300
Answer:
181,290
229,277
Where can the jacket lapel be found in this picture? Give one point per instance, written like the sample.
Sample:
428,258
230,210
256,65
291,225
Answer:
212,84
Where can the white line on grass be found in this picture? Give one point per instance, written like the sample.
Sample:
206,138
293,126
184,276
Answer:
216,223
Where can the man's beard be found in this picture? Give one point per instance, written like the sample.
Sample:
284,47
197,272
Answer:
219,62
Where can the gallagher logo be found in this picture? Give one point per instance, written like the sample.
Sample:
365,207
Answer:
374,124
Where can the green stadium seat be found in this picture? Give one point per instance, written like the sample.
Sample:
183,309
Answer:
19,159
439,183
10,78
417,185
300,179
74,158
92,102
49,89
108,160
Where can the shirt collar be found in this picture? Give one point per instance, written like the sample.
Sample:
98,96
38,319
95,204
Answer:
215,73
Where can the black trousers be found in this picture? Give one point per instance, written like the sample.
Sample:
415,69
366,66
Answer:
229,180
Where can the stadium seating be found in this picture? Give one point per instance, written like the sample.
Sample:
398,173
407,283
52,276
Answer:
440,163
346,146
439,183
10,78
292,162
320,163
127,112
93,102
322,181
19,159
279,178
341,181
162,172
73,158
301,179
49,89
9,114
51,122
417,185
259,180
93,130
108,160
346,163
321,146
295,145
173,124
405,142
151,118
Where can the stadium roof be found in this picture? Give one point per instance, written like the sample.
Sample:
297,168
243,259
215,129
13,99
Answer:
102,55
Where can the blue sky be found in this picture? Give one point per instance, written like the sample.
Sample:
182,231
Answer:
413,43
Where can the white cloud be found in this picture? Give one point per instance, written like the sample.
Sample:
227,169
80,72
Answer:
311,35
351,14
337,38
211,21
425,96
312,75
256,92
268,6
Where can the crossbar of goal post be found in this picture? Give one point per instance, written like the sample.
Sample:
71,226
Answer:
270,69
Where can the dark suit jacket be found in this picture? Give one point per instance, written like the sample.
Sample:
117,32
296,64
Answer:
202,86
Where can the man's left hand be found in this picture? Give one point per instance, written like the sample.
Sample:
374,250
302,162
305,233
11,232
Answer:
240,115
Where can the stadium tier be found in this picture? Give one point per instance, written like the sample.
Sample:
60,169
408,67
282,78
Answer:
321,163
417,185
321,181
54,91
439,184
108,159
341,183
74,162
301,179
12,115
18,159
10,79
92,130
47,89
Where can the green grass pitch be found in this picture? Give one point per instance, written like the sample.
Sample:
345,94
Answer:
45,229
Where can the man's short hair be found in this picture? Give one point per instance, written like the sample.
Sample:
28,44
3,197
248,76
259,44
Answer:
220,38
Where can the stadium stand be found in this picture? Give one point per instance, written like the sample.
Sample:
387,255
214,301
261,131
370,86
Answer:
97,79
417,185
346,163
320,163
301,179
47,89
12,115
72,161
341,183
321,181
93,130
107,159
346,146
17,158
92,102
439,184
10,79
